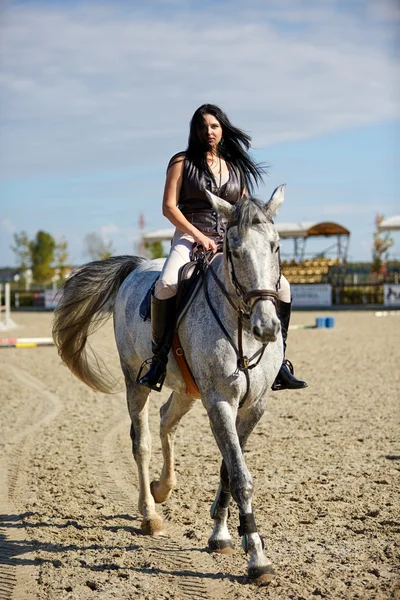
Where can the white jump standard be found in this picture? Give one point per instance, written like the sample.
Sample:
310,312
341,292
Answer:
6,321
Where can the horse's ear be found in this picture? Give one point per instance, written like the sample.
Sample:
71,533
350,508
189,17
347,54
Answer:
275,201
222,207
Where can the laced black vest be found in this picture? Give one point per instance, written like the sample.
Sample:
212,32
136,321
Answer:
193,201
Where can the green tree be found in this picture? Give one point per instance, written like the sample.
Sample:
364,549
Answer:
42,253
156,249
97,248
382,243
22,249
61,257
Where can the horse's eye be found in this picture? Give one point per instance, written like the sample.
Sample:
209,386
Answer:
277,249
235,254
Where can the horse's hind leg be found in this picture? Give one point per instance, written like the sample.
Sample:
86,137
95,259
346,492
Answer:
137,396
171,413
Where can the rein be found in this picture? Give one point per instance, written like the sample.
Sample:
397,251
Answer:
243,312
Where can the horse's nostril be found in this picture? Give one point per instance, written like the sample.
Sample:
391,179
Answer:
256,331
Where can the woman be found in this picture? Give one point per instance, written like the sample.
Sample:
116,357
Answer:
216,159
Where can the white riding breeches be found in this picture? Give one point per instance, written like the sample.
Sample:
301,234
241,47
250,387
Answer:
284,292
181,248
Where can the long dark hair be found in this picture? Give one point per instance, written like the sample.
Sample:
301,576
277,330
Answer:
233,147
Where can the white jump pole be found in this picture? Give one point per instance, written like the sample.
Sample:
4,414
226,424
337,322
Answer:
25,342
6,321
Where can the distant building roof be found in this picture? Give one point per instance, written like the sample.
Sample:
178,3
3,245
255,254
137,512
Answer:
304,230
285,230
159,235
390,224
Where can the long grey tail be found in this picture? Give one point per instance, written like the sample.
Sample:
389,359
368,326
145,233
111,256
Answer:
87,301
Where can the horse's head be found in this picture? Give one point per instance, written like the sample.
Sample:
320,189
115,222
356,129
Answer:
251,252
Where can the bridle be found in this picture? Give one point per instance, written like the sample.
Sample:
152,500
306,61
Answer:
244,296
243,309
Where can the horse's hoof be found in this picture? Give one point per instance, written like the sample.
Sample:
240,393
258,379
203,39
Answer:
220,546
261,575
152,525
157,493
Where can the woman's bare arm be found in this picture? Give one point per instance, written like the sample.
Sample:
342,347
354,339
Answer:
171,211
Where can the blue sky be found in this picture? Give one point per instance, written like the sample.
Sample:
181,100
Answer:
96,96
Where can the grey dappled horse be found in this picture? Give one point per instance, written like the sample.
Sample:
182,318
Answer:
233,394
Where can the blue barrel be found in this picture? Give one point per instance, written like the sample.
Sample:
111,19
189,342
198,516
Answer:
329,322
320,322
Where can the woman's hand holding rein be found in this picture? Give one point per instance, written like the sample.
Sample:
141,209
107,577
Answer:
206,242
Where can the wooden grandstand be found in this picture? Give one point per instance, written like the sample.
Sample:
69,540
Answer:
320,268
299,269
315,270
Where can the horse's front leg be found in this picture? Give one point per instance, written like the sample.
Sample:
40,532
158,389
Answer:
223,423
220,540
171,413
137,396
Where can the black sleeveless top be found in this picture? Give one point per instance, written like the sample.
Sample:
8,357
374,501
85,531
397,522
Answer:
193,201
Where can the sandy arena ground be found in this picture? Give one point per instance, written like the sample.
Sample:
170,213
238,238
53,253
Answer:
325,463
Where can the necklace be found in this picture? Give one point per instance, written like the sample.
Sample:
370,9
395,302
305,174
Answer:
219,171
220,174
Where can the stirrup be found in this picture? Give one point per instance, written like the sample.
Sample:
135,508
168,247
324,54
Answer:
281,384
157,387
289,365
278,385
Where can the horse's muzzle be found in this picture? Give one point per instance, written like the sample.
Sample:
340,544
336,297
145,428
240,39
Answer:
267,332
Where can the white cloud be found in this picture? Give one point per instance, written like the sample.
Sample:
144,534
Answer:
107,231
101,86
7,225
123,239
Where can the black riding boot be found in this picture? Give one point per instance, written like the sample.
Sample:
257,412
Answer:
163,314
285,380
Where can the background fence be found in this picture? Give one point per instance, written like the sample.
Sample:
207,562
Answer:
359,294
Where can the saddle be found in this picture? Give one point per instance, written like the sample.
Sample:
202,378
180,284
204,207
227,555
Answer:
189,282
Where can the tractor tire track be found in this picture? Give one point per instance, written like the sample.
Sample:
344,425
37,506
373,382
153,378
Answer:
17,574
